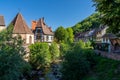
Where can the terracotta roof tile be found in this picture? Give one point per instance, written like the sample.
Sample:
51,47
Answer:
20,26
115,40
46,29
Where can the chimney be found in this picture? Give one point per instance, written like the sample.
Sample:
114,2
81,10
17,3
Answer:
43,19
50,29
34,23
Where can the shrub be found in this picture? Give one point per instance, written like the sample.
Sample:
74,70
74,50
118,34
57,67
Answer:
39,55
54,51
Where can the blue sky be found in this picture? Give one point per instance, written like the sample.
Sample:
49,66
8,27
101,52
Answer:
55,12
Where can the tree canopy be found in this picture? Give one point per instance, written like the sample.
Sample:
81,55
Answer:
89,23
75,66
70,37
39,55
12,64
54,51
60,34
110,13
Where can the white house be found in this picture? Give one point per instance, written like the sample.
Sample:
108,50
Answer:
42,33
107,39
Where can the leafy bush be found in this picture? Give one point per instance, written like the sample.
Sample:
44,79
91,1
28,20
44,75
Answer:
75,66
39,55
81,63
54,51
63,49
108,69
12,65
90,55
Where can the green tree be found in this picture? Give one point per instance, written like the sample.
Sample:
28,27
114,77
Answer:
64,48
88,44
54,50
39,55
110,13
61,34
88,23
12,64
77,28
75,66
70,37
80,45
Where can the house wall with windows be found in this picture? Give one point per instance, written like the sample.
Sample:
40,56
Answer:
48,38
42,33
28,38
20,28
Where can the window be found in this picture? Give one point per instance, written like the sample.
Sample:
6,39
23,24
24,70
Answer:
39,30
39,34
51,37
47,38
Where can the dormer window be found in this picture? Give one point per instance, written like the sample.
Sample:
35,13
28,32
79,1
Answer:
39,30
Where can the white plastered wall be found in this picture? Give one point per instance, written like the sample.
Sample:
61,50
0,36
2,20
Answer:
28,38
2,28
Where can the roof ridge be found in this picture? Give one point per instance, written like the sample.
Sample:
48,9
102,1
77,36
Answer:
44,26
20,25
23,23
16,18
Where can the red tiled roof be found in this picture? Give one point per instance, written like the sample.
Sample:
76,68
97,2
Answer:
20,26
45,28
115,41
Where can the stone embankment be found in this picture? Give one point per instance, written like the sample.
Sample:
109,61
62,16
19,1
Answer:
115,56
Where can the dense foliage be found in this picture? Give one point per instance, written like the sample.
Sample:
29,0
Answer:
70,36
75,66
64,35
110,13
103,69
87,24
64,48
12,64
54,51
60,34
81,63
40,56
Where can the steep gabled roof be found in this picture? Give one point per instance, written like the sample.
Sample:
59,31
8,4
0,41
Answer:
2,23
95,31
20,26
115,41
45,28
